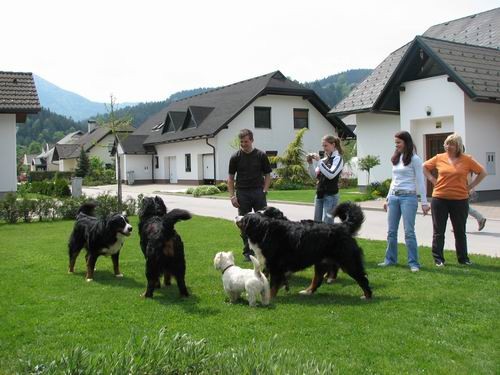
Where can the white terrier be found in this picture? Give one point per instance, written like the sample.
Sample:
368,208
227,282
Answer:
237,280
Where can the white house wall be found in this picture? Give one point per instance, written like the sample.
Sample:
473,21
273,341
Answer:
375,136
8,165
483,135
444,99
281,133
101,149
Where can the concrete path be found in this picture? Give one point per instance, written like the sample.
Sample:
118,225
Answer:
486,242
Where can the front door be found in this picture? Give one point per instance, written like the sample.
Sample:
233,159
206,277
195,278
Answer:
434,145
208,169
172,170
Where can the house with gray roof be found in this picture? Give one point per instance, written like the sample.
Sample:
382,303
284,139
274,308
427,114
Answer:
18,98
191,140
446,80
97,142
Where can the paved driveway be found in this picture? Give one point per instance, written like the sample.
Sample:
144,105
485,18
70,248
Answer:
486,242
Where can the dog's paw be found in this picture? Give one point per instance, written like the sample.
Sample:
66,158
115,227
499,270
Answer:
119,275
89,280
306,292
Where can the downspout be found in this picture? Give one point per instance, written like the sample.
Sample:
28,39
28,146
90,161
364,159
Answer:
153,168
215,164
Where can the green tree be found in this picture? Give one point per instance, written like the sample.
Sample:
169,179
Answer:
83,166
291,167
367,163
117,124
34,148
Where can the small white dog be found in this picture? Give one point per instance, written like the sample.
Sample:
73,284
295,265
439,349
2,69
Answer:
237,280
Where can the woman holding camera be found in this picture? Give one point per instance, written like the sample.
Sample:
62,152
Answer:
327,171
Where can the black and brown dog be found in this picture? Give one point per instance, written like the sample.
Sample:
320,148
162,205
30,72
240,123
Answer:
161,245
99,236
288,246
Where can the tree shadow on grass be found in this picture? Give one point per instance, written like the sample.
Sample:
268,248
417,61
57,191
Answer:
333,298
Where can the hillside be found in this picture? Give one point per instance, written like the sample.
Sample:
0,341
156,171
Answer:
67,103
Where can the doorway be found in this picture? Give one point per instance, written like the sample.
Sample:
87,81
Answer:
208,169
172,170
433,146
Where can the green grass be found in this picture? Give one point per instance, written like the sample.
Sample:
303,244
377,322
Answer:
307,196
437,321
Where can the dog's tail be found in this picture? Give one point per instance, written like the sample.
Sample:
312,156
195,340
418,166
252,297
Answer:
176,215
256,266
351,214
88,208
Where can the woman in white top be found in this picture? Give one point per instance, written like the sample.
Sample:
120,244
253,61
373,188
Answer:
407,180
327,172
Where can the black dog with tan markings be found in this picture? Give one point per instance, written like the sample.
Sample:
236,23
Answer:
289,246
99,236
161,245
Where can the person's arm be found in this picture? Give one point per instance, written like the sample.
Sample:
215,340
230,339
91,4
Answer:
230,189
420,183
476,181
429,176
334,170
267,182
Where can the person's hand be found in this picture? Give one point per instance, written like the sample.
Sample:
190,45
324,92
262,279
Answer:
425,209
309,158
234,202
316,157
385,206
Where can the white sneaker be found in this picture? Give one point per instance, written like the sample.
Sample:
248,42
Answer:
414,269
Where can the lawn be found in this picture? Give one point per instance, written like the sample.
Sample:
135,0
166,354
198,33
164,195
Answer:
307,196
437,321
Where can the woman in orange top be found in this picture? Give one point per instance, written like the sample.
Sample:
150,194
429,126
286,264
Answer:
451,195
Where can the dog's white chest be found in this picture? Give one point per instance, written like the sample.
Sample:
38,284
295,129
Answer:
113,249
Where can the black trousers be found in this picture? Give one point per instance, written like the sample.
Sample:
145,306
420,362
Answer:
457,211
250,199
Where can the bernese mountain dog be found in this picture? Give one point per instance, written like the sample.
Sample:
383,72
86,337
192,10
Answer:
289,246
99,236
161,245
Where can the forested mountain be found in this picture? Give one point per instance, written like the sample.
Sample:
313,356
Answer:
49,127
67,103
334,88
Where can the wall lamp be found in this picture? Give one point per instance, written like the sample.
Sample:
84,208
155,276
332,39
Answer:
428,110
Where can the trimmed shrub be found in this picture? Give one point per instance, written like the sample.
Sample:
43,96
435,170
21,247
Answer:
222,186
282,184
9,209
26,208
205,190
44,208
43,175
68,208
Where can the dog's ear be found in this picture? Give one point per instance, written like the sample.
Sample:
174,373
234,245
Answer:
217,260
231,256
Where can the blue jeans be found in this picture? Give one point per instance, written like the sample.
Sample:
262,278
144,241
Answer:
406,206
323,208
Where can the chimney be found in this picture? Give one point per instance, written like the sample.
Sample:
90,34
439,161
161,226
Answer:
91,125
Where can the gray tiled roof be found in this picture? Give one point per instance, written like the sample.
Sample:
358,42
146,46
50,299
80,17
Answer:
363,96
133,144
482,29
18,93
71,149
476,68
215,109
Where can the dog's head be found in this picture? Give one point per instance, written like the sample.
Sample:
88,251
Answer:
253,225
273,213
152,207
119,224
223,259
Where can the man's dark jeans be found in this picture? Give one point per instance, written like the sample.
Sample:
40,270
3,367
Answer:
457,210
250,199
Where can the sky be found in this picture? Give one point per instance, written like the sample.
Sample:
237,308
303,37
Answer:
140,51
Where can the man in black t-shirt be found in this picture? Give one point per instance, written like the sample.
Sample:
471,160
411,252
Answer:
253,176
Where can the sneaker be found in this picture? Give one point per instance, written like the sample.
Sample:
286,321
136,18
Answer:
439,264
466,263
384,264
414,269
480,224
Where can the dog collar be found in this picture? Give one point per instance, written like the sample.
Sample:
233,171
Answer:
225,269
